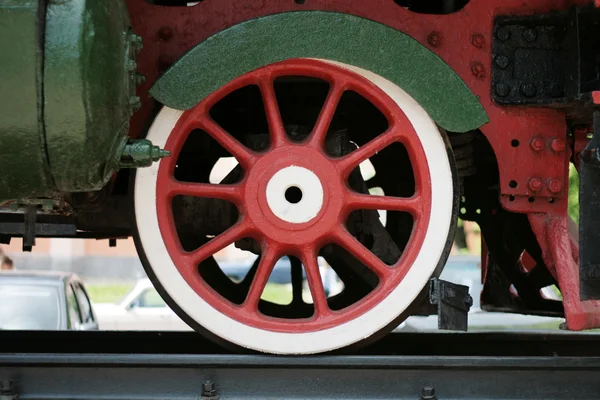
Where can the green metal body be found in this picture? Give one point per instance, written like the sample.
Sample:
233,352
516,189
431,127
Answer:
327,35
89,90
24,169
68,90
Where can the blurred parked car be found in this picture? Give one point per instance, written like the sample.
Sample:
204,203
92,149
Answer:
465,270
40,300
142,309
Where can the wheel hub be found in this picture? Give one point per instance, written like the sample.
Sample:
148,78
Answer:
288,195
295,194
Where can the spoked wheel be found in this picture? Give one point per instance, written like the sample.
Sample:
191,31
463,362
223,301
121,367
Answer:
331,166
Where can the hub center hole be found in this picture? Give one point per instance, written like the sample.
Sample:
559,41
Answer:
293,194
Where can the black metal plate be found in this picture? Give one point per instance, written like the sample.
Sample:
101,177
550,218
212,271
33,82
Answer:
538,366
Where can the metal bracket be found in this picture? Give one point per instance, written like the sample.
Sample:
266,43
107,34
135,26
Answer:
141,153
547,60
453,304
29,228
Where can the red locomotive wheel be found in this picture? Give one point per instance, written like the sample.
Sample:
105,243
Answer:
297,192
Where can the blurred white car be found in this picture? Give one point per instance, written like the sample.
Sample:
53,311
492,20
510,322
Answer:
142,309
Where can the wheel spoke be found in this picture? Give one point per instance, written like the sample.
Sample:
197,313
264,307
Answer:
218,243
243,155
352,160
317,138
362,254
317,291
265,267
357,201
212,191
276,128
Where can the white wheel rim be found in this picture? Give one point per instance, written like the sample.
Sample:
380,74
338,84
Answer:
336,337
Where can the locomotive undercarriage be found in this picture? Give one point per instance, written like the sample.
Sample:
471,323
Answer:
385,124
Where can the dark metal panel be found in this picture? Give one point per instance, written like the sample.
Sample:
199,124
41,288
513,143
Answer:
175,365
589,217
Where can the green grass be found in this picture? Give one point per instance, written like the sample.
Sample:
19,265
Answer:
108,293
278,294
553,326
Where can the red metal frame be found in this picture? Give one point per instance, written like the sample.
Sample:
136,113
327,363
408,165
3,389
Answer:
528,142
277,237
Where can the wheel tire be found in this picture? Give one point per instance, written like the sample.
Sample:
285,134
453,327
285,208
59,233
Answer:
435,207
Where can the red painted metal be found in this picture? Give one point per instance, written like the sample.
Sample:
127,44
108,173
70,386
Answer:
276,236
462,39
521,137
558,238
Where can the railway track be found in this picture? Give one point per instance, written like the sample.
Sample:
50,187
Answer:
94,365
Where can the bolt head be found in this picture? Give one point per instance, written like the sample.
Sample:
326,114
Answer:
530,35
478,41
502,61
537,144
131,65
435,39
535,184
478,70
558,145
502,89
555,186
208,388
528,90
503,34
427,393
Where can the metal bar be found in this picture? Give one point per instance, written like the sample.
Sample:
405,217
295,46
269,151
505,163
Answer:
241,377
553,367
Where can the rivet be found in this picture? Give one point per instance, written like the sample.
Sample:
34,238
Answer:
478,70
503,34
528,90
535,184
558,145
135,103
478,40
555,186
530,35
131,65
428,393
537,144
502,61
502,89
435,39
